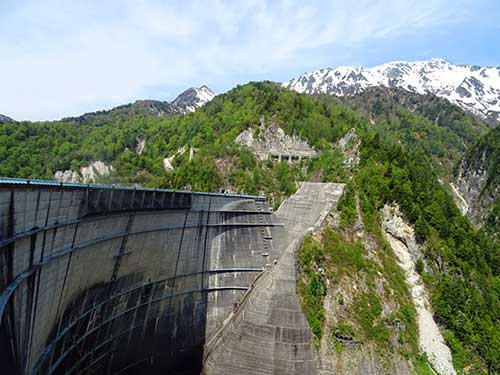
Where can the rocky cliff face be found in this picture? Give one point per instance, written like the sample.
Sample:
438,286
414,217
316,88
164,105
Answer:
342,354
375,313
344,347
350,144
477,179
270,140
357,317
88,174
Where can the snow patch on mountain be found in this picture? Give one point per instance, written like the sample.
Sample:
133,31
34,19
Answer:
192,99
473,88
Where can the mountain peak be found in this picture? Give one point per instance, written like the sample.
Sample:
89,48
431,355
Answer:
471,87
188,101
440,60
5,119
193,98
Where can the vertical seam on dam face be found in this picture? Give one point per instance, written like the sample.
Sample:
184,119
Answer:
109,280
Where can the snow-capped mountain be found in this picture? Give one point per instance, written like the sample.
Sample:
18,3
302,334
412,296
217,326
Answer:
474,88
193,98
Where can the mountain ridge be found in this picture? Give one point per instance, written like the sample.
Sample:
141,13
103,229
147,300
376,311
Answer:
6,119
186,102
472,87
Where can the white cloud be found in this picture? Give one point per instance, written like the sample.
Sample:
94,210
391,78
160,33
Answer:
64,58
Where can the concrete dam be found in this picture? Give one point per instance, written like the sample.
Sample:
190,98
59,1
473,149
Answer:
113,280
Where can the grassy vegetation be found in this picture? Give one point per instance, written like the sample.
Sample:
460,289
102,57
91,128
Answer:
345,255
422,366
347,207
367,310
337,258
312,287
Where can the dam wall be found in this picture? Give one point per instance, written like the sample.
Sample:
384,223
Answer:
268,334
112,280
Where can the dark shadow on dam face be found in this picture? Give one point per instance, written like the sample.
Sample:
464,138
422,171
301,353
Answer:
106,280
138,330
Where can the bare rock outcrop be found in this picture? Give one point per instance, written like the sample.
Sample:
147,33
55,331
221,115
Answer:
350,144
167,162
140,145
471,185
270,140
89,174
401,237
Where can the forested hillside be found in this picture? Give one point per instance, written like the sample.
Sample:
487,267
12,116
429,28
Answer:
463,265
443,130
39,149
405,146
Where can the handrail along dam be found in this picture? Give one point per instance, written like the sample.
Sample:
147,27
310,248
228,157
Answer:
112,280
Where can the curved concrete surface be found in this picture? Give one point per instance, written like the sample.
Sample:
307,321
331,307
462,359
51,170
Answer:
268,334
106,280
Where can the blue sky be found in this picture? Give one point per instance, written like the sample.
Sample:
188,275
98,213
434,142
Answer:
63,58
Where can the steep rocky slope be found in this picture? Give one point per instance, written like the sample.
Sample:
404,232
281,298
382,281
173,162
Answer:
477,180
192,99
91,173
401,237
5,119
357,302
270,140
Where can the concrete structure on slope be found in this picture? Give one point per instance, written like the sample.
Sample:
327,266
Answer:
271,141
111,280
268,334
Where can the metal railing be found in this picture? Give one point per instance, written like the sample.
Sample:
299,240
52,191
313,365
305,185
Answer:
51,183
